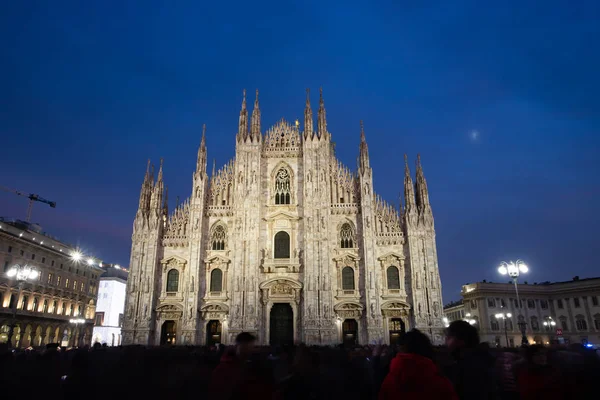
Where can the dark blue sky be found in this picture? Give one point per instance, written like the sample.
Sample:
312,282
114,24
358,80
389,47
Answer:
90,91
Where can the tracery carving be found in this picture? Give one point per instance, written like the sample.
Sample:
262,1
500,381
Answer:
221,186
282,187
176,232
218,237
282,139
344,184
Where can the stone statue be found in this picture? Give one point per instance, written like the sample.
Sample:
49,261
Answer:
373,310
192,285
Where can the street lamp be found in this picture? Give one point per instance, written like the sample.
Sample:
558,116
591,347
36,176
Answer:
21,274
549,323
514,269
77,322
471,321
505,317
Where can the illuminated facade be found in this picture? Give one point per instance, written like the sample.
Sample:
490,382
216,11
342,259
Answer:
63,289
285,242
111,303
571,307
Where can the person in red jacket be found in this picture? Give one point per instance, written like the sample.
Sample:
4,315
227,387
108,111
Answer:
538,379
414,375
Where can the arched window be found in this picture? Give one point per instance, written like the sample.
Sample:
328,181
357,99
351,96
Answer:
282,187
218,238
34,306
45,306
534,324
393,277
172,280
282,245
509,324
581,323
494,324
216,280
347,278
563,323
346,237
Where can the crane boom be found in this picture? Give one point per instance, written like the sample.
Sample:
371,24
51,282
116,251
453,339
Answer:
32,197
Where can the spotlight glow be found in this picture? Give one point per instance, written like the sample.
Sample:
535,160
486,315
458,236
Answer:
76,256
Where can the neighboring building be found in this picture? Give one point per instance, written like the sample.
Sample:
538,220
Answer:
567,312
64,288
111,303
454,311
286,243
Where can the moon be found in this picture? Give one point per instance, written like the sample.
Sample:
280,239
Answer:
474,134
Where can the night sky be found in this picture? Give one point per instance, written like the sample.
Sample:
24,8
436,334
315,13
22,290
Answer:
502,102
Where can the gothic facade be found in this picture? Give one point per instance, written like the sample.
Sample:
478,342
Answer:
284,242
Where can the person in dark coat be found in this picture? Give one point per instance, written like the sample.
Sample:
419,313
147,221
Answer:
414,375
472,372
238,376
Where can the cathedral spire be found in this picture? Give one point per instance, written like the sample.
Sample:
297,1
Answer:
165,208
145,191
201,160
322,122
255,126
422,193
364,150
308,118
157,192
243,125
214,168
409,194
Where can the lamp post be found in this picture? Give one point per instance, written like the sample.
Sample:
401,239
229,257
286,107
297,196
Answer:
469,319
77,322
505,317
514,269
21,274
549,323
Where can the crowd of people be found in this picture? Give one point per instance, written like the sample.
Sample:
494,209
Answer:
463,369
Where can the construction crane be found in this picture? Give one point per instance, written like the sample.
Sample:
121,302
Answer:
32,197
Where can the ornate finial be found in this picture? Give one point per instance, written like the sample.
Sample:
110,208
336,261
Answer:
405,159
307,96
418,160
203,132
321,94
362,130
244,99
214,166
256,101
148,167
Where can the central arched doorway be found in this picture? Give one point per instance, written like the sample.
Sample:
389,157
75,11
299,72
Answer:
350,332
397,329
168,333
213,332
281,324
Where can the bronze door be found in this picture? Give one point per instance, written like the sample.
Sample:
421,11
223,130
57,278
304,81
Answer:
282,324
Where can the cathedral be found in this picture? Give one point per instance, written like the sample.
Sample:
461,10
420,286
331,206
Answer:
283,242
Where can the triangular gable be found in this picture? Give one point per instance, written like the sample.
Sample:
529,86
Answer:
217,257
170,259
280,215
391,254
